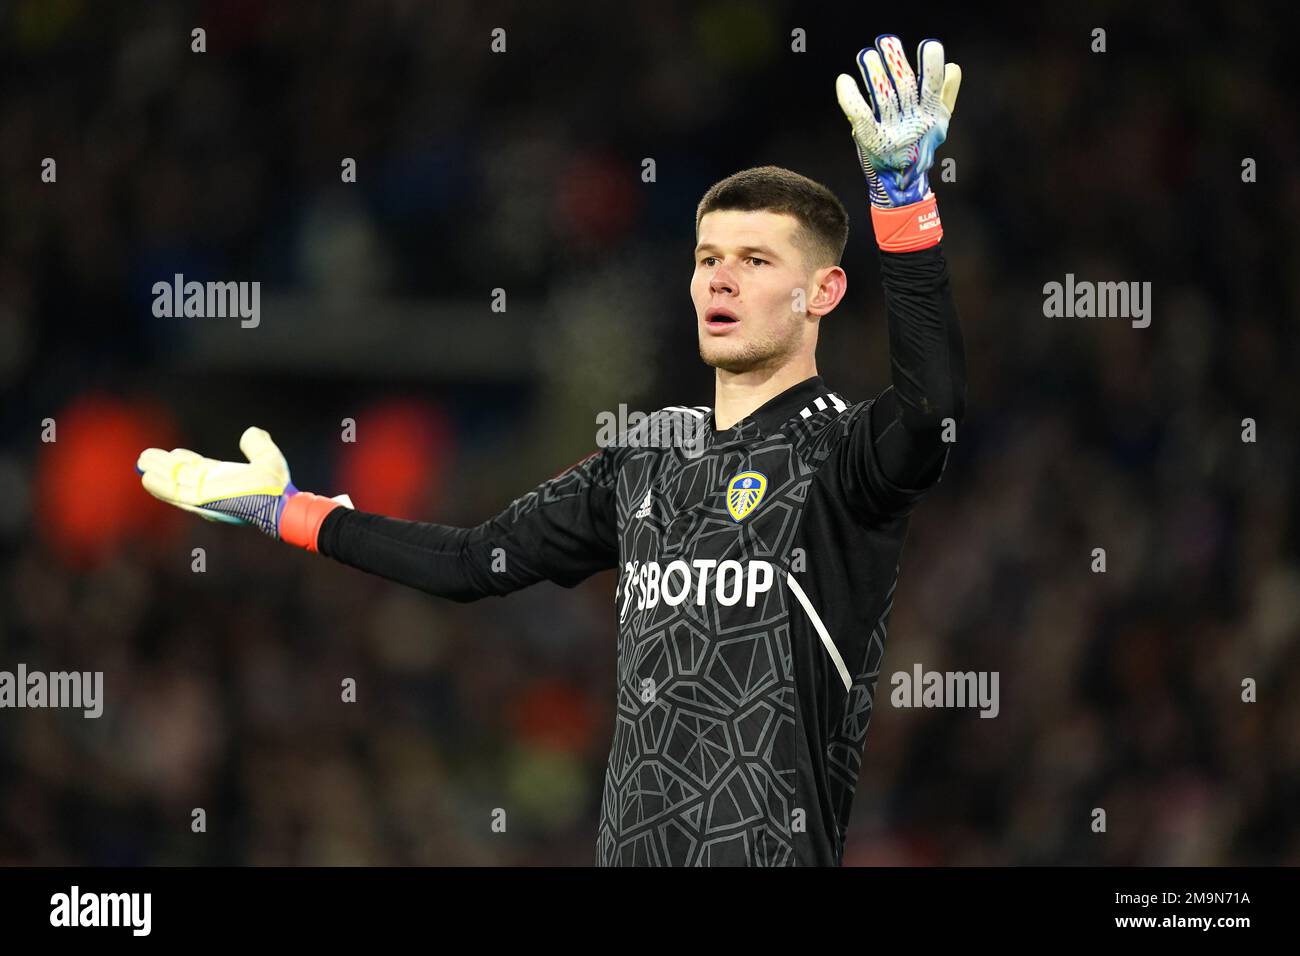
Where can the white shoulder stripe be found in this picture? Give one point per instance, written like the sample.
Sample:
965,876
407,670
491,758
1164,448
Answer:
683,408
819,405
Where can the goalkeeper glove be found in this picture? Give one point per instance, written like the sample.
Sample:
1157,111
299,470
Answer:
897,133
258,492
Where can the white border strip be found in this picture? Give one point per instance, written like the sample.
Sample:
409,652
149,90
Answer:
821,630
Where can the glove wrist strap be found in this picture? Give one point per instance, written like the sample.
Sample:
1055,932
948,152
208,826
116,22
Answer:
302,517
908,228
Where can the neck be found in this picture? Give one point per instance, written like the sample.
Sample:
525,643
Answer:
738,394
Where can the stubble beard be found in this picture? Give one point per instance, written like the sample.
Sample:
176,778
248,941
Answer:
771,352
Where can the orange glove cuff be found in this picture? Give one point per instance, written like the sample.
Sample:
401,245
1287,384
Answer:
908,228
302,517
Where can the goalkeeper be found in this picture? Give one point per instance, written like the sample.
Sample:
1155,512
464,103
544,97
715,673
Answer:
757,568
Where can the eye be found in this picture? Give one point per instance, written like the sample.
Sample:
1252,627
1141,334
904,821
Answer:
757,260
707,260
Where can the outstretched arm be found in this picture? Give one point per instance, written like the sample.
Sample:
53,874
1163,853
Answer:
562,531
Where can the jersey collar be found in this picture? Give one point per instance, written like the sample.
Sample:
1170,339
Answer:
811,394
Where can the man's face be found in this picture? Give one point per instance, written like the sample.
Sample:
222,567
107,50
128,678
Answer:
747,267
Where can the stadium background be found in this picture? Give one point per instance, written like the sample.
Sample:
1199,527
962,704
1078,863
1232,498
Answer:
522,171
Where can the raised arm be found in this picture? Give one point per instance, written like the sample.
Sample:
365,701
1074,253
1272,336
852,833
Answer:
897,449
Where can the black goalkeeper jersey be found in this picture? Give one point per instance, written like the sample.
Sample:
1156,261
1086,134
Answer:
757,568
755,588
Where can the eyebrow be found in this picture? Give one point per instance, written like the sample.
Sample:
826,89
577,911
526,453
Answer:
710,247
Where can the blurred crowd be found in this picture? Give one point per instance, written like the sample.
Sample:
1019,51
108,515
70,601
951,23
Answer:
522,170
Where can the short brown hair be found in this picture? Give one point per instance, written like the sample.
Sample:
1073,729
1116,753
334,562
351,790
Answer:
824,224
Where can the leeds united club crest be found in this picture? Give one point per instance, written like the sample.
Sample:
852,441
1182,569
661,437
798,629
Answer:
744,492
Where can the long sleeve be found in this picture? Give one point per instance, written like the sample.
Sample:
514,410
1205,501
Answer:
563,531
897,450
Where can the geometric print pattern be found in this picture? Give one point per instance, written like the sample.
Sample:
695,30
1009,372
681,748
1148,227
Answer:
844,750
702,767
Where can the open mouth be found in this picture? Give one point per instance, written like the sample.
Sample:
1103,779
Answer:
717,319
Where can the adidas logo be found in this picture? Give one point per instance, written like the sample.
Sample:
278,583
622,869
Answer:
644,510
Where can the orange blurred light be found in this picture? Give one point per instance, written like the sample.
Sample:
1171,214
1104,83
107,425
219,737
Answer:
554,716
398,463
88,495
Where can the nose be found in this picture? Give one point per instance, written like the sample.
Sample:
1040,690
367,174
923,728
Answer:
722,281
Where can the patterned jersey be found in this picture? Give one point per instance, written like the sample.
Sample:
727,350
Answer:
758,567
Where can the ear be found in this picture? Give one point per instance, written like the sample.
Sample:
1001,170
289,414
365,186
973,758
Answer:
825,290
